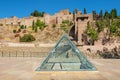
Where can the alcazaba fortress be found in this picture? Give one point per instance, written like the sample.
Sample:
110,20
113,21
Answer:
80,21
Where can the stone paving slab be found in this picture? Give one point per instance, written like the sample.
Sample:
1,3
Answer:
19,68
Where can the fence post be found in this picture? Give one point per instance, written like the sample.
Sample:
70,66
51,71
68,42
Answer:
23,53
2,53
9,53
30,54
16,53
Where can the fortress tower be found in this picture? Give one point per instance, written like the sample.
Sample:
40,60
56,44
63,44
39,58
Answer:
81,21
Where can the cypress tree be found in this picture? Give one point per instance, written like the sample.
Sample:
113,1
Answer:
85,12
33,25
113,13
106,15
101,14
115,10
94,15
36,29
76,11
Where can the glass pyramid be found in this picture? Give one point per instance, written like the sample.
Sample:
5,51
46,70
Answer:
65,56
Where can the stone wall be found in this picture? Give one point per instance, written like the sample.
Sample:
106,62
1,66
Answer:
81,21
48,19
17,21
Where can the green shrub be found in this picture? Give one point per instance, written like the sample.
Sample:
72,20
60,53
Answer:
1,24
64,27
36,13
115,27
27,38
14,31
40,24
19,30
54,25
23,27
91,32
67,22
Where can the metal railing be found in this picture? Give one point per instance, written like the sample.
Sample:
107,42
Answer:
22,54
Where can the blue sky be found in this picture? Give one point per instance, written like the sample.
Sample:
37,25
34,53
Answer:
23,8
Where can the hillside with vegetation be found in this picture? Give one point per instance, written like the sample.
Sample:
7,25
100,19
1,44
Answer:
37,32
105,27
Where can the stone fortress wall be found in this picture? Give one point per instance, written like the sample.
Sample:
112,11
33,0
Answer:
48,19
80,21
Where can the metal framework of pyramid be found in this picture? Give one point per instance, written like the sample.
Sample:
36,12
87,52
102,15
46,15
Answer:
65,56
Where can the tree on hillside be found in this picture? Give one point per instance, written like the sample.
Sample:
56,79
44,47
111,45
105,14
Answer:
42,14
40,24
22,27
66,25
36,13
113,13
76,11
67,22
107,15
106,22
100,25
115,28
14,31
33,25
101,14
36,28
85,12
94,15
91,32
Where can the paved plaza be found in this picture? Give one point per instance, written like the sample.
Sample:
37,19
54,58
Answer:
23,68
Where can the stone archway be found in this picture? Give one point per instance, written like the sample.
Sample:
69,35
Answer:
72,31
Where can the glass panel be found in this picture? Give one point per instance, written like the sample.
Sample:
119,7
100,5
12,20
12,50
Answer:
65,56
